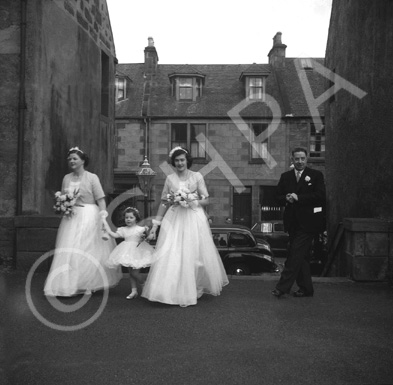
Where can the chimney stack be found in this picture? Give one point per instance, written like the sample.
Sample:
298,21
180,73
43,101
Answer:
151,57
277,53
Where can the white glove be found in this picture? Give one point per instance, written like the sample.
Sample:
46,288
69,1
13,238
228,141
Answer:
103,214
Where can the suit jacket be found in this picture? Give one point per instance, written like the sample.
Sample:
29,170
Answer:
308,213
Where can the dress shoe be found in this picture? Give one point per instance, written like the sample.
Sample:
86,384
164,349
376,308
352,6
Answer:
132,295
301,294
277,293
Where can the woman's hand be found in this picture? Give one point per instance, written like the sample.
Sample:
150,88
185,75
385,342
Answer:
152,234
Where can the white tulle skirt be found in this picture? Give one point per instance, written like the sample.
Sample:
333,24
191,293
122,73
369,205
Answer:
186,263
79,260
131,254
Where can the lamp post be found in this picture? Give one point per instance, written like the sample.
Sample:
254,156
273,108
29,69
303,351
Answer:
145,178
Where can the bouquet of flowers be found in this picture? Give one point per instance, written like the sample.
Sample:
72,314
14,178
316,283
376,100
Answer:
64,203
145,237
182,197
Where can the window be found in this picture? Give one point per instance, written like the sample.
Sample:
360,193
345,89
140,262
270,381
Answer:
104,84
317,141
306,63
220,239
187,88
121,89
259,146
240,240
185,135
255,88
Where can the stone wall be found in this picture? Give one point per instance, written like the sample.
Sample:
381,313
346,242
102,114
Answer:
368,249
359,117
69,51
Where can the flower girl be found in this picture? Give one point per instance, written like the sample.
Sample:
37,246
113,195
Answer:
133,252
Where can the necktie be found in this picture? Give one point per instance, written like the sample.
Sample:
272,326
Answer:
298,176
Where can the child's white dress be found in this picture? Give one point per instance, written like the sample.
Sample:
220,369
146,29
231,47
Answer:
128,253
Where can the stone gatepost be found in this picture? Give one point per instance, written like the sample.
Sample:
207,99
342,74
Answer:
368,248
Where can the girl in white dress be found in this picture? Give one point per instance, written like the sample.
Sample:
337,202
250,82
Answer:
78,265
186,261
133,252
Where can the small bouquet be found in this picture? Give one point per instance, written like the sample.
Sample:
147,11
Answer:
64,203
144,237
182,197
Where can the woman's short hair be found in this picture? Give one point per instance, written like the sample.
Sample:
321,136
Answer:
80,153
133,210
180,151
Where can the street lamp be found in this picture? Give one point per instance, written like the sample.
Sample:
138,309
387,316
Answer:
145,178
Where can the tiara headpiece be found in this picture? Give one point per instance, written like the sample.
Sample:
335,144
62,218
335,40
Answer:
75,149
175,149
133,209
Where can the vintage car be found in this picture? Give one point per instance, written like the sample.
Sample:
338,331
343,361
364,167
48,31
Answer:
240,252
273,232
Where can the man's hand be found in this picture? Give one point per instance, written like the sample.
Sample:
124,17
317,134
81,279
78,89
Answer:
291,197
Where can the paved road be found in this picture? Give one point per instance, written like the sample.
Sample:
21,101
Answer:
343,335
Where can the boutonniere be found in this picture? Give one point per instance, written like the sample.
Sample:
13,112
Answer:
307,178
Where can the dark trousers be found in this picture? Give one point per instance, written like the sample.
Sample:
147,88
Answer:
297,265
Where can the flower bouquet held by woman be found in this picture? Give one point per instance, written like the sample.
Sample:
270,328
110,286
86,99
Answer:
186,263
64,203
78,264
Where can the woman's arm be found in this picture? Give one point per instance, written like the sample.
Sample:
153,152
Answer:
157,221
109,231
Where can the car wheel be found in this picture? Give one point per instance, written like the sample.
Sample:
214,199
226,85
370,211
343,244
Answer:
238,269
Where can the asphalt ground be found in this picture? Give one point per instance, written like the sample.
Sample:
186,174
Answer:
343,335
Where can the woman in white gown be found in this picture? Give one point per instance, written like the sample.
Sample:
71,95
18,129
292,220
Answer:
78,264
186,262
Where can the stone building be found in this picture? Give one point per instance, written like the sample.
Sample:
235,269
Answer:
239,122
57,60
359,136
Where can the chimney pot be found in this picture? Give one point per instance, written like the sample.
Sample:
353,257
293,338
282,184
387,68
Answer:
150,42
277,38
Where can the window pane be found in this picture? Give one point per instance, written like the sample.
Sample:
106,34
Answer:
256,82
259,148
196,148
178,135
185,93
317,141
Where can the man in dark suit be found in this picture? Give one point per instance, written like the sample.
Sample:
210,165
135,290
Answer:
302,192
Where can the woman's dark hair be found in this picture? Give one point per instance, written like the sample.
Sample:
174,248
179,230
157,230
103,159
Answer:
134,211
181,151
80,153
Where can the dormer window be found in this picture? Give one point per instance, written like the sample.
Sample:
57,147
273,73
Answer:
187,87
255,81
306,63
121,88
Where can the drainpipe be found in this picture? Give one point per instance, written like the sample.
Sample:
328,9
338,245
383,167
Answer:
147,134
22,108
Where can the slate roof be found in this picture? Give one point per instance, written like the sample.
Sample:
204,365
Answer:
223,89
